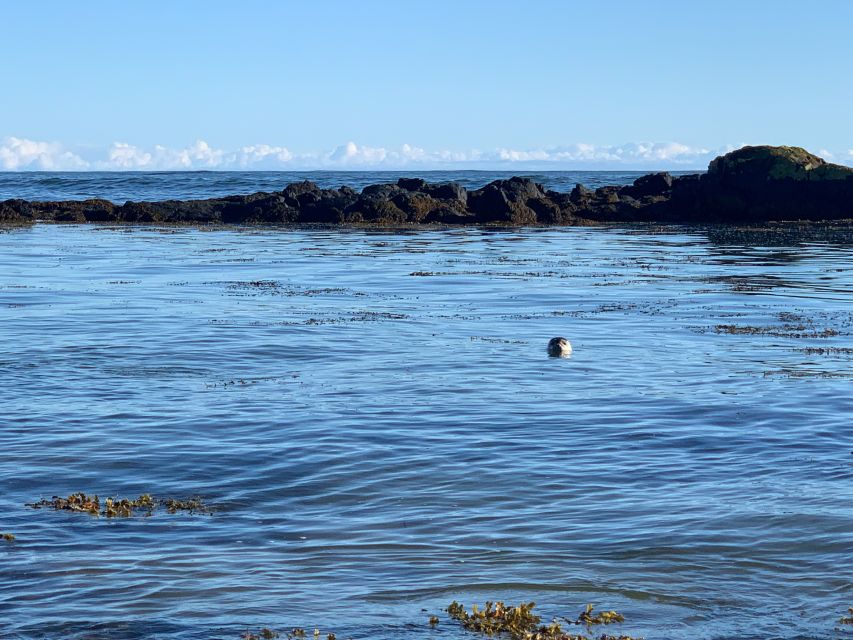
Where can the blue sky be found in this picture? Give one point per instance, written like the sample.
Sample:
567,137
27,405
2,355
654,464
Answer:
353,84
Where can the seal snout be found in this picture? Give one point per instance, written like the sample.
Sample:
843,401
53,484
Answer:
559,347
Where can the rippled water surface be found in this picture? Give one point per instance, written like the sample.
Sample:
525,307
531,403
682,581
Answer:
120,186
375,419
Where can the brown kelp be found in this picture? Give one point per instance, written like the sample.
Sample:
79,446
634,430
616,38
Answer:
144,505
263,634
520,623
294,634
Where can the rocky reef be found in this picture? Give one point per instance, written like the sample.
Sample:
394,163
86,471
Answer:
748,186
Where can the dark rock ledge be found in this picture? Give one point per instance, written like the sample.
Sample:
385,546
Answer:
748,186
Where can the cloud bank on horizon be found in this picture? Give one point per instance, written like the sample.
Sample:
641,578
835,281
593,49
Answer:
21,154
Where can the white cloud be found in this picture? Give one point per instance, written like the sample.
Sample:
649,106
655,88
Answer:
644,153
199,155
125,156
17,154
352,154
252,156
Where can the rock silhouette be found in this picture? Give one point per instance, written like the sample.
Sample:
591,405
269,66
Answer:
750,185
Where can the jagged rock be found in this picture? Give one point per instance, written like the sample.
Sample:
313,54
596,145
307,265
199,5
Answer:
607,195
375,206
444,214
452,191
653,184
296,190
580,194
326,205
173,211
258,208
15,211
70,210
507,201
412,184
386,191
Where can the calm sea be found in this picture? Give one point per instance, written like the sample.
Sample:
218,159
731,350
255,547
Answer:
136,185
375,419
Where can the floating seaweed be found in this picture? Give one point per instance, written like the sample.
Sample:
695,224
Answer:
784,331
120,507
520,623
192,505
826,351
496,617
603,617
294,634
263,634
8,537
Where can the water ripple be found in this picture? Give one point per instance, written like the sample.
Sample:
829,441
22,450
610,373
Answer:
374,417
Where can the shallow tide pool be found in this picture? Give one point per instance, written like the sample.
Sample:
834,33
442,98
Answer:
377,424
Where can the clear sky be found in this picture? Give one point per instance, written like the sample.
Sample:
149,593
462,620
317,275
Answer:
266,84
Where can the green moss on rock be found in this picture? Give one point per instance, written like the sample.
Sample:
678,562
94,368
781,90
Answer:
776,163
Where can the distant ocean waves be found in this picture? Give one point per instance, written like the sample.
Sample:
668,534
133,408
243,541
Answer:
182,185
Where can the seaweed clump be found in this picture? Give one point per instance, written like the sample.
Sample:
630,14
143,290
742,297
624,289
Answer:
120,507
520,623
192,505
263,634
294,634
785,331
602,617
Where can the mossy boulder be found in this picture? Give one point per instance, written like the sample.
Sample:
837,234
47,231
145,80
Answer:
763,184
775,163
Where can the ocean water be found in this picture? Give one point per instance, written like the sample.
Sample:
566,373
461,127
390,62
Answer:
376,422
137,185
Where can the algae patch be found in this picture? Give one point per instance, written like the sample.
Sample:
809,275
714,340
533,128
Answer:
520,623
144,505
785,331
294,634
263,634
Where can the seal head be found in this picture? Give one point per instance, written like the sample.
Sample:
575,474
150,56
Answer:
559,348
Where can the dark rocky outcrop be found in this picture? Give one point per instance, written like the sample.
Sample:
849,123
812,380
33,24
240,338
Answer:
516,201
750,185
756,184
